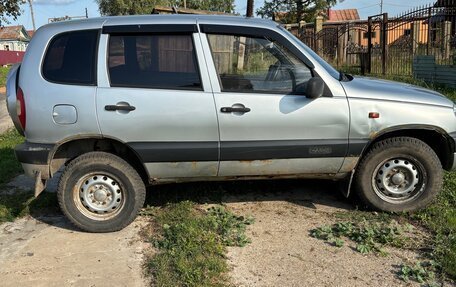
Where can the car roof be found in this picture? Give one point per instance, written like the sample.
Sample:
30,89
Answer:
163,19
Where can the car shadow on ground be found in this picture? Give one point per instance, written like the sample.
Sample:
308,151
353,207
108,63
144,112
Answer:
305,193
301,192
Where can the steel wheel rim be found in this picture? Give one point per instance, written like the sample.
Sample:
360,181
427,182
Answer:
399,180
99,196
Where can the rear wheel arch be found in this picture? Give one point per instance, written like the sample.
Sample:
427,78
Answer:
440,142
69,149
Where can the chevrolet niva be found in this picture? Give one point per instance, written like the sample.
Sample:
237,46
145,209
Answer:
124,102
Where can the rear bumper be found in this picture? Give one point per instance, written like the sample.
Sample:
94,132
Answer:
34,158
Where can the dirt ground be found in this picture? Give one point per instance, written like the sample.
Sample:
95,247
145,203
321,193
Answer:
283,254
48,251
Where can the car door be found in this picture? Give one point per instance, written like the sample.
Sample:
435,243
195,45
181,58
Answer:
154,95
267,125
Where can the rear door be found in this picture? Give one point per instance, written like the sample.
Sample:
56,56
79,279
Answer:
154,95
267,125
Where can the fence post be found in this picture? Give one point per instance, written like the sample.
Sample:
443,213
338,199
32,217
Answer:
301,27
369,45
384,42
342,44
318,28
447,38
428,42
415,36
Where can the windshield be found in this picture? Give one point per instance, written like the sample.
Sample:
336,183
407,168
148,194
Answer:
333,72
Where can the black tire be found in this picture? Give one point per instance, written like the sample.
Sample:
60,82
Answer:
100,192
418,167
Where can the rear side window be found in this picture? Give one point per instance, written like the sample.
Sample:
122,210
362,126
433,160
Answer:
71,57
153,61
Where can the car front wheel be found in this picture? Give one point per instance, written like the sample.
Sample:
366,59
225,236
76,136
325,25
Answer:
399,174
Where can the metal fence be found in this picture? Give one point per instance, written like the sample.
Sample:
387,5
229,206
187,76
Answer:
383,44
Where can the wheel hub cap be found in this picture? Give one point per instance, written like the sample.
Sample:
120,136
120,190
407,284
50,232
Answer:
397,180
100,194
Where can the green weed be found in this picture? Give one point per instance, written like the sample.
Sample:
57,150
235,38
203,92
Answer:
368,236
192,243
420,272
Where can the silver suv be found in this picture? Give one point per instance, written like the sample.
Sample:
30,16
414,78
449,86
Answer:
126,102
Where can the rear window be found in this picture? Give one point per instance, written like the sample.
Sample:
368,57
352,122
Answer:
153,61
70,58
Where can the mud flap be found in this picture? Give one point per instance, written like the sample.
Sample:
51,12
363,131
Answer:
345,184
40,184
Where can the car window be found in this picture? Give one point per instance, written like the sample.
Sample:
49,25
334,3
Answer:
70,58
330,69
250,64
153,61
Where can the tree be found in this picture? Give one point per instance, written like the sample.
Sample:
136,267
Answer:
133,7
293,11
126,7
9,8
226,6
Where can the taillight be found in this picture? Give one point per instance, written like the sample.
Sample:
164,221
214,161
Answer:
20,107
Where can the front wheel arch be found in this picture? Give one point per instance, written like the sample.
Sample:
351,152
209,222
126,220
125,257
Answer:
440,142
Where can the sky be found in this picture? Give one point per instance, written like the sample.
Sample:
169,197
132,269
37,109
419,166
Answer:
45,9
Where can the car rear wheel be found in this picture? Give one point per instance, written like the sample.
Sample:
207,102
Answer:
100,192
399,174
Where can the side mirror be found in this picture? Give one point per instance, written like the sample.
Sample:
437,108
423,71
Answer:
315,88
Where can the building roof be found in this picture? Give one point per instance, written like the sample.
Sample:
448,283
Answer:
31,33
342,15
14,33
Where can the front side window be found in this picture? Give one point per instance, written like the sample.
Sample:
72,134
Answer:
153,61
71,57
256,64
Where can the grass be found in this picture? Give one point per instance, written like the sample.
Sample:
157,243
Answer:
22,203
3,73
9,166
18,203
191,244
440,219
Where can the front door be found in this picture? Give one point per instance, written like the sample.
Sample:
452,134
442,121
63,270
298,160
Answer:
156,98
267,125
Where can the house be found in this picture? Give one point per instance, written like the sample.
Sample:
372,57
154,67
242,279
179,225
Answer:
330,15
14,38
342,15
31,33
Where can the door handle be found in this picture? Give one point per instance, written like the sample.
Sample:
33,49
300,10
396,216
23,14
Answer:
120,108
235,110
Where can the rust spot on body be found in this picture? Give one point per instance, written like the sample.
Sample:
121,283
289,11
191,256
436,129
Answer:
373,134
265,161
